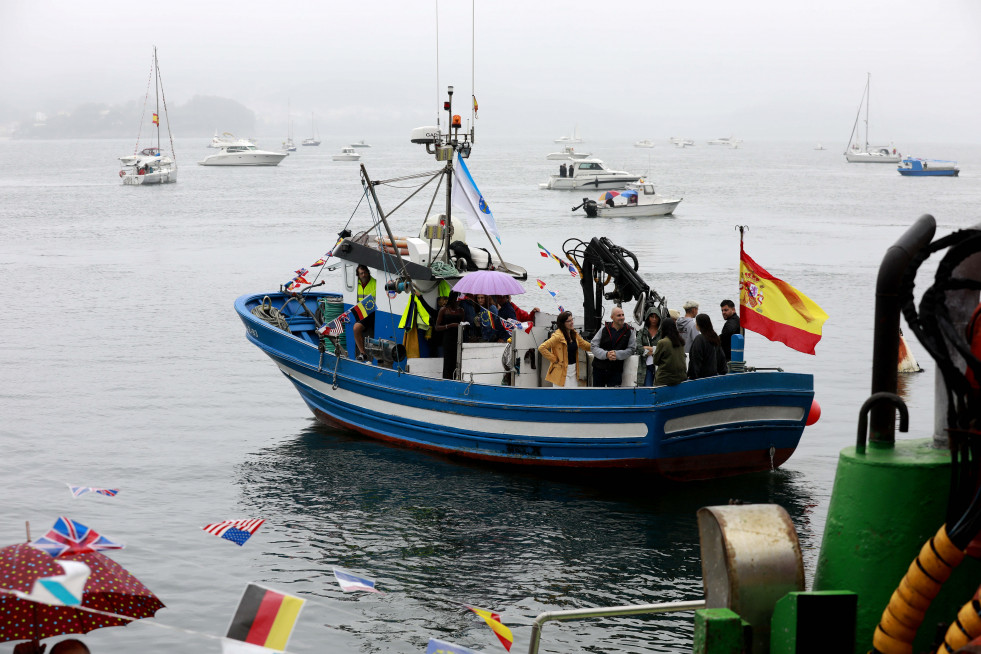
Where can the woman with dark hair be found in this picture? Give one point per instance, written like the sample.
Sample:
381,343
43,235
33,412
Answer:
647,338
447,321
561,348
706,358
669,356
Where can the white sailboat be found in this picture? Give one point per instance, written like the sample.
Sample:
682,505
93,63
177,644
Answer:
315,139
288,144
149,165
863,152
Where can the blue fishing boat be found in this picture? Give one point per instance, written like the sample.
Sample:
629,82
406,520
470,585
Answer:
916,167
496,406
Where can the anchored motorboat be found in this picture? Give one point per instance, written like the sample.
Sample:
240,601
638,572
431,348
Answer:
639,200
347,153
589,174
243,155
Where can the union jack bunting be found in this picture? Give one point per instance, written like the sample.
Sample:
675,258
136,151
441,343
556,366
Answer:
70,537
78,491
237,531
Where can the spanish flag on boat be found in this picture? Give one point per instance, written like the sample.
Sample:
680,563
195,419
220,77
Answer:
156,119
777,310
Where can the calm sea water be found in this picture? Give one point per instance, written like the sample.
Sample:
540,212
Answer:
123,364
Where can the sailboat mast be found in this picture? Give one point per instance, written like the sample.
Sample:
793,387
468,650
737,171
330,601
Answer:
156,80
868,99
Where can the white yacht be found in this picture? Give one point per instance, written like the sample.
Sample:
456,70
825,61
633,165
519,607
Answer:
731,141
567,153
589,174
682,143
243,155
347,153
361,144
644,143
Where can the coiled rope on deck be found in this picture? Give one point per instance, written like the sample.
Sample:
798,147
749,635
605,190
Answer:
268,313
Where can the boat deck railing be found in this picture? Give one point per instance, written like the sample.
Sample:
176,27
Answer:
605,612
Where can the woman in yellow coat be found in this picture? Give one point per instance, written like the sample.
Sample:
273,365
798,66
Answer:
561,347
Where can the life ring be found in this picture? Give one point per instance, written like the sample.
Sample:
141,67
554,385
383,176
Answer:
122,173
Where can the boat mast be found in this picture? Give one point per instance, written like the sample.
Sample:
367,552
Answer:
858,115
868,99
447,236
156,80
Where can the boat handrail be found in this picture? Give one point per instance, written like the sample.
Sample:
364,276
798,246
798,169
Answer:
605,612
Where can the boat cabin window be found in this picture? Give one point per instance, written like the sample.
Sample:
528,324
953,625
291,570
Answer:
590,166
235,148
648,189
350,276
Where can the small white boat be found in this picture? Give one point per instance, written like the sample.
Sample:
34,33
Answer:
589,174
288,144
575,138
361,144
567,153
639,200
644,143
149,166
243,155
682,143
820,147
864,152
732,142
347,153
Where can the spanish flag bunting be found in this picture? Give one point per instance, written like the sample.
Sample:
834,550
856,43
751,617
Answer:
265,617
493,621
777,310
156,119
474,106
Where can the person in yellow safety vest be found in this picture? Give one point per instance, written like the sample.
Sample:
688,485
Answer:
436,337
415,317
366,287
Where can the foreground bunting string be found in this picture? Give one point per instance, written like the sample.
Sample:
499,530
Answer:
542,285
78,491
351,583
70,537
493,621
60,590
265,617
442,647
237,531
573,270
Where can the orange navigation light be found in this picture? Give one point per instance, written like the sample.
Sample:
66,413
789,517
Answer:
457,121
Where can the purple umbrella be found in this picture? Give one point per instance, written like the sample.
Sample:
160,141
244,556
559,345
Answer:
489,282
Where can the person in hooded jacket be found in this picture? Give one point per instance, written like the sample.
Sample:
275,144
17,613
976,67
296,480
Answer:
647,337
561,348
669,356
706,358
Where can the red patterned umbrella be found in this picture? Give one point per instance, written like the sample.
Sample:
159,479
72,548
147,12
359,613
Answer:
110,588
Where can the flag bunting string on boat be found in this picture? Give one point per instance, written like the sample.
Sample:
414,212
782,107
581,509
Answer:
571,267
543,286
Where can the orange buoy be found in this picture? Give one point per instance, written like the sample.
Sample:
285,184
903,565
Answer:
814,414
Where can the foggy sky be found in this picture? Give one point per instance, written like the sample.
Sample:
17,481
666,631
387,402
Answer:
770,69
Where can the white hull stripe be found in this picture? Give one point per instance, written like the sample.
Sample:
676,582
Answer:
726,417
614,431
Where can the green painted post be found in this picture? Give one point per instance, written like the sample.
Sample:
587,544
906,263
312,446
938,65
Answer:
886,503
721,631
